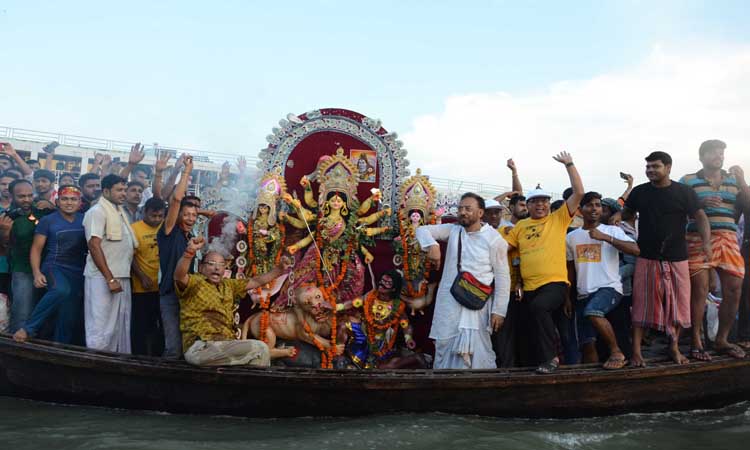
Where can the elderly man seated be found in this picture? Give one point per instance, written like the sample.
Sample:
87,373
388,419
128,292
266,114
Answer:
207,303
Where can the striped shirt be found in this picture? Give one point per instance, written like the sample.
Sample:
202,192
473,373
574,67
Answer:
724,216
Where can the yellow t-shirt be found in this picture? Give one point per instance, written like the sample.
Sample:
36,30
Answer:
146,255
541,243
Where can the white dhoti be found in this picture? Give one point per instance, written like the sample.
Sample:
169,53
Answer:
472,348
107,315
244,352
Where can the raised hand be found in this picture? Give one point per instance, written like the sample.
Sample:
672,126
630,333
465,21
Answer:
511,165
137,153
188,163
196,244
7,148
241,164
5,222
162,161
180,161
738,174
563,158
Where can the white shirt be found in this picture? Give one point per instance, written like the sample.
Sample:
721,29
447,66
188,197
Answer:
484,255
118,254
597,262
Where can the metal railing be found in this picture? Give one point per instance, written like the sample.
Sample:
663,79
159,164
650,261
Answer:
443,185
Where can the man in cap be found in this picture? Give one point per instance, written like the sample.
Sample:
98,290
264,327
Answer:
540,240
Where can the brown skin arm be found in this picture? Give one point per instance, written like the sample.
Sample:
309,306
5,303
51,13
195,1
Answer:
144,279
704,228
515,181
137,153
181,276
6,223
575,181
35,258
7,148
631,248
179,194
97,254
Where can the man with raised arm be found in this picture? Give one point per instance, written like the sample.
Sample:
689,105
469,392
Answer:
207,304
172,239
540,240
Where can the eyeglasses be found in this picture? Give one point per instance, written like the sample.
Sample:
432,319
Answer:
214,263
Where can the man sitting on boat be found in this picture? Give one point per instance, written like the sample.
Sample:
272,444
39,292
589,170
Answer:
207,301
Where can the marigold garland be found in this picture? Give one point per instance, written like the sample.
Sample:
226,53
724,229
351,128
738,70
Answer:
373,325
407,233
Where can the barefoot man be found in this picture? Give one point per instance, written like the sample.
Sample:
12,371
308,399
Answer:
661,284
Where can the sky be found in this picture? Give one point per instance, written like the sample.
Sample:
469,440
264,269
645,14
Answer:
466,85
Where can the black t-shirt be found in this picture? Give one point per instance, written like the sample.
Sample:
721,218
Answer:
171,248
662,218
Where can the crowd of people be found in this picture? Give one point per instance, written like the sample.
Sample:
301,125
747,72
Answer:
111,261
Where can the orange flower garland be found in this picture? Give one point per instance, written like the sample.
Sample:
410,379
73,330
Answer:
405,245
265,301
325,359
373,325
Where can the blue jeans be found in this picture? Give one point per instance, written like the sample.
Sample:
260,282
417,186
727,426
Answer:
169,307
23,299
64,297
598,304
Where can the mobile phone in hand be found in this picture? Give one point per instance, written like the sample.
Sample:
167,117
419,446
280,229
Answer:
49,148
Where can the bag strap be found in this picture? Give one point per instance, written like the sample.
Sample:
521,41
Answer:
458,263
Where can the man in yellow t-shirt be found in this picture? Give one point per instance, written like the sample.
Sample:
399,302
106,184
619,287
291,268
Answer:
540,241
146,336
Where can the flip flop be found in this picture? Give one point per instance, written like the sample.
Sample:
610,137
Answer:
615,363
731,350
700,354
744,345
548,367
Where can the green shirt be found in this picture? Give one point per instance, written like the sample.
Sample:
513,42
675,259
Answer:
21,236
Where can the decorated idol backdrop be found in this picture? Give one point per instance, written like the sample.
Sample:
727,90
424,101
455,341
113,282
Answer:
300,143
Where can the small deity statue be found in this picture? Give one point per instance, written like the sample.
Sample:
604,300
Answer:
417,196
371,341
265,234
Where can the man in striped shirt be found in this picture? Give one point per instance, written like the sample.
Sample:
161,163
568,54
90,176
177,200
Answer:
721,193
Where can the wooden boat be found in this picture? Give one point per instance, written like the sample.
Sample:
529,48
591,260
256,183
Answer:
58,373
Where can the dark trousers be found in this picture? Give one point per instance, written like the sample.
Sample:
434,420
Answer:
505,342
62,302
541,304
146,334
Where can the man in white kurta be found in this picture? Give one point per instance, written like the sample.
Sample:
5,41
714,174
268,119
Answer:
106,296
462,336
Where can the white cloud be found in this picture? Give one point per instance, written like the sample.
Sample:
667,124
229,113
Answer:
674,100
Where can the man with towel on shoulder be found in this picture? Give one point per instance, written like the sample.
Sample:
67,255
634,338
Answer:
107,273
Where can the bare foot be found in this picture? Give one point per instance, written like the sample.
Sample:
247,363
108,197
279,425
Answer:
637,361
20,335
678,357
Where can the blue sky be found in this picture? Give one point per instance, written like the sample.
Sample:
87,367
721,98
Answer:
219,75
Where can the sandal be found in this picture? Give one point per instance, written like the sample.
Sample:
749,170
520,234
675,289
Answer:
548,367
700,354
731,350
615,362
744,345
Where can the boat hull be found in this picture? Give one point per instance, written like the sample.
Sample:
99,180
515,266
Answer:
76,376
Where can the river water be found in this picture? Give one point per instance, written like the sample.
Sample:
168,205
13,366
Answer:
33,425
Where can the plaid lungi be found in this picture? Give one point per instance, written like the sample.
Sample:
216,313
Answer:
725,253
661,294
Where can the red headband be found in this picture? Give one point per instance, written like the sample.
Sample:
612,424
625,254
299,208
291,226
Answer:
69,190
